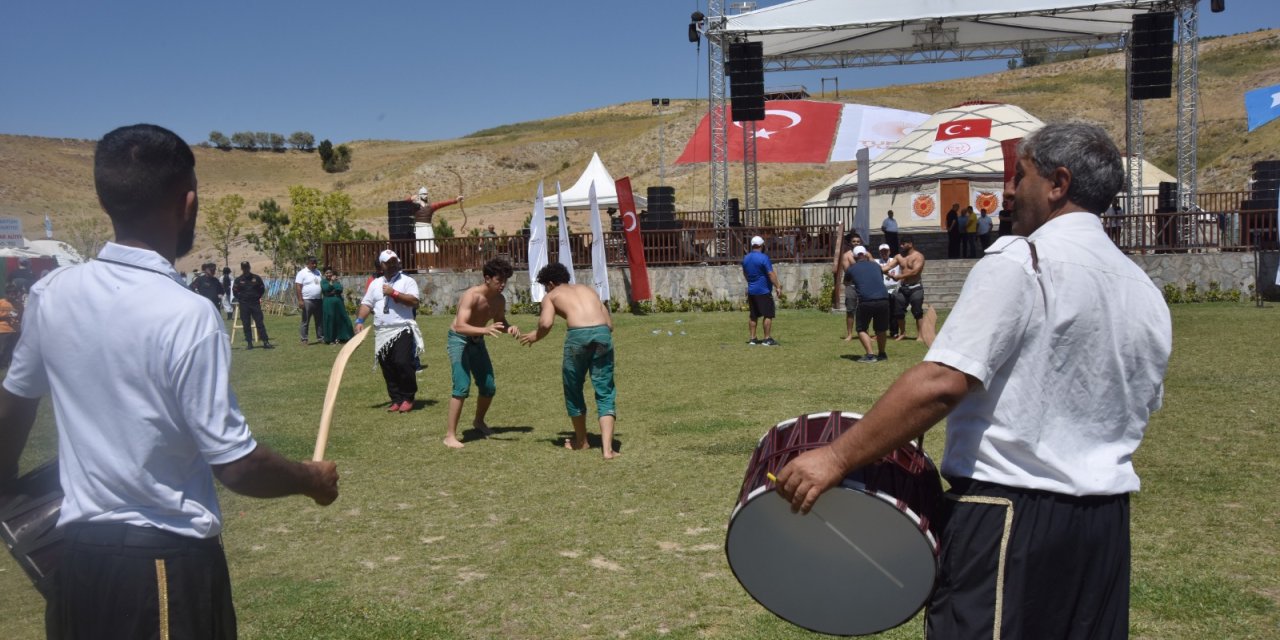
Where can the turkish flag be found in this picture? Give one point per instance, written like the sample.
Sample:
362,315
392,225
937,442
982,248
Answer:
635,245
792,131
977,128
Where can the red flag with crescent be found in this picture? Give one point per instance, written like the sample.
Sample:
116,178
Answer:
635,245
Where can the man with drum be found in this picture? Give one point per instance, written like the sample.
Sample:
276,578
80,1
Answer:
1043,416
145,429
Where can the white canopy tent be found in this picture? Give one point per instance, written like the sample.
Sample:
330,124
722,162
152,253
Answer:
822,34
576,197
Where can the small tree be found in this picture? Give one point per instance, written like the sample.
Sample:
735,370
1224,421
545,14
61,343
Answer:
244,140
319,218
222,223
262,139
273,239
442,228
277,142
341,158
87,235
302,141
326,153
219,140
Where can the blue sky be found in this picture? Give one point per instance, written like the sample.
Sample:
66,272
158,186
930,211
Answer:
391,69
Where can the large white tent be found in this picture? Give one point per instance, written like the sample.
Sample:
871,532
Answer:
576,197
918,177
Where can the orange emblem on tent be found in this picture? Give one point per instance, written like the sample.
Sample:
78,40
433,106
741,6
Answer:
922,206
986,201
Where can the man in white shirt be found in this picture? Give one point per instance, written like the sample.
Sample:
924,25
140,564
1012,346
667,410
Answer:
891,270
310,299
1047,371
143,431
391,299
890,230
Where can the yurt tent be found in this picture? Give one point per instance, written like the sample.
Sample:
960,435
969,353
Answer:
953,157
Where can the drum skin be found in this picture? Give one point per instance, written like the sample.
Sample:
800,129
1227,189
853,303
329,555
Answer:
865,557
28,515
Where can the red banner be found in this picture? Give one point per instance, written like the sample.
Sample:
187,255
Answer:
792,131
1010,149
635,245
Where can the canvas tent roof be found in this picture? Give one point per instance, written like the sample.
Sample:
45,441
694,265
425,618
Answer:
812,34
576,197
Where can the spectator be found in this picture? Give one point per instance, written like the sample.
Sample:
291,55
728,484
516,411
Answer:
310,299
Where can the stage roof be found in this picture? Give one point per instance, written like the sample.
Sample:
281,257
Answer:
825,34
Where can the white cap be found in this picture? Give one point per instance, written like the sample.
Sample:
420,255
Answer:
859,250
387,255
422,191
757,241
883,247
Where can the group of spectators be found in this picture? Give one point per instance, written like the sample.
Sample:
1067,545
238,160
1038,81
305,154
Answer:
968,230
322,303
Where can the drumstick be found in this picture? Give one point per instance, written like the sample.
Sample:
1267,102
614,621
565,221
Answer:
331,393
814,510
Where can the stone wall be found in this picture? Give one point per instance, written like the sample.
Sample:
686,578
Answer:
441,289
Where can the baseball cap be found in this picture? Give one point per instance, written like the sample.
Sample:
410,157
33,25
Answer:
422,191
859,250
883,246
387,255
757,241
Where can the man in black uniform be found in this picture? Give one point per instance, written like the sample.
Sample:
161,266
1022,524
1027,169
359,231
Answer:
248,290
207,285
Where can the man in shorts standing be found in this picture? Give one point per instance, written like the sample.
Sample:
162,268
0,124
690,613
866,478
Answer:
911,291
873,302
468,356
762,281
588,348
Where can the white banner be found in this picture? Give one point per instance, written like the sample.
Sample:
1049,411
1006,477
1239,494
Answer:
537,246
958,148
565,254
924,205
599,262
11,233
873,128
986,195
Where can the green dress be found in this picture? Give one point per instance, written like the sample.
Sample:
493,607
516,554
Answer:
336,323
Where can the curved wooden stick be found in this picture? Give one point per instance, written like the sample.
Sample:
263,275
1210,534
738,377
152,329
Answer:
331,393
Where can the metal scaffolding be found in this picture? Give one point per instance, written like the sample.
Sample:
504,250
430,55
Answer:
750,186
717,113
1133,138
1188,99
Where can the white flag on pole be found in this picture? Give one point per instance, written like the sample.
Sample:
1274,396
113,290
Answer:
599,265
566,253
537,246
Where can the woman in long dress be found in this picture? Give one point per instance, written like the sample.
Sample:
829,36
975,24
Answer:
336,321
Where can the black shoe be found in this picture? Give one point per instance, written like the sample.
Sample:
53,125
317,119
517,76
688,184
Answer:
769,342
867,358
268,345
881,357
753,342
249,346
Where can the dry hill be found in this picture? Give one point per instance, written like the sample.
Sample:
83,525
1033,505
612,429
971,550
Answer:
498,169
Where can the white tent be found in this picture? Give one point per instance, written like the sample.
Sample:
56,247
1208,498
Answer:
918,174
575,197
812,34
44,248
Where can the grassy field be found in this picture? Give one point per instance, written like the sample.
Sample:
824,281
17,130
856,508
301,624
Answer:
514,537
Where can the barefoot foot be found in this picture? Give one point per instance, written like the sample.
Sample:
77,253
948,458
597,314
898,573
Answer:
452,443
609,455
483,428
575,446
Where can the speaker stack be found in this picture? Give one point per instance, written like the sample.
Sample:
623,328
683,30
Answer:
661,209
735,213
1167,225
1264,189
400,219
1151,56
745,68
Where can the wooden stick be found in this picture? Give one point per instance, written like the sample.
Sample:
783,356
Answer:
331,393
835,264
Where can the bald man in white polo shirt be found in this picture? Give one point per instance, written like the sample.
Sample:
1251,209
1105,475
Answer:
147,425
1047,371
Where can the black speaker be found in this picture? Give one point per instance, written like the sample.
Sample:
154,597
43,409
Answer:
1151,56
662,201
1217,6
400,219
735,214
1167,202
745,68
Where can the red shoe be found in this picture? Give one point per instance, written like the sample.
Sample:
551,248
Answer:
406,406
393,408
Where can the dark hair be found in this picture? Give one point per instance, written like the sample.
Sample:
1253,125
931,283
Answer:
140,169
208,265
498,267
1097,172
554,273
309,260
226,270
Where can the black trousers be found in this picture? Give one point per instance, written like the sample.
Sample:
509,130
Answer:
122,581
1030,565
252,311
398,370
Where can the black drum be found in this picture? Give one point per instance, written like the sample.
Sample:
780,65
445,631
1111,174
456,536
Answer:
28,515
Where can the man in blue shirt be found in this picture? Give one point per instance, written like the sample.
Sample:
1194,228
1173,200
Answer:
761,283
873,302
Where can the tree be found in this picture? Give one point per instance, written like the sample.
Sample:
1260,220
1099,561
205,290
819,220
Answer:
87,235
273,239
222,223
319,218
262,139
302,141
326,153
277,142
334,159
244,140
442,228
219,140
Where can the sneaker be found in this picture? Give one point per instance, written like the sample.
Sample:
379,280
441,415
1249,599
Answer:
867,358
304,342
406,406
395,406
753,342
249,346
881,357
770,342
268,345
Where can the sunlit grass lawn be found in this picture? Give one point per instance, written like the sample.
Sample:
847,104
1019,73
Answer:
514,537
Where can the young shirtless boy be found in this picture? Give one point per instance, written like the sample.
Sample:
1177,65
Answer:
468,356
588,347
